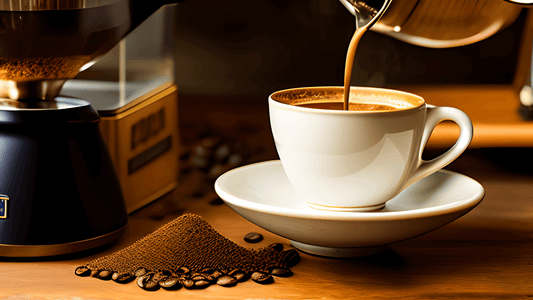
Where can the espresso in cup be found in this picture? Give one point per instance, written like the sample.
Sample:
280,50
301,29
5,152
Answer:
352,106
357,160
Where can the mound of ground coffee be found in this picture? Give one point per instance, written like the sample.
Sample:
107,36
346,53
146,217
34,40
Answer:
189,252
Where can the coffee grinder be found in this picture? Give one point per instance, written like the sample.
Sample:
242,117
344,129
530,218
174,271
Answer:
59,191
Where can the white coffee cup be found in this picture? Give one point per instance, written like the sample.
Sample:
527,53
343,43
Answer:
357,160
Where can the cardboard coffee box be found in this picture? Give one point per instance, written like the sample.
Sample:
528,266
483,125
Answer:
144,145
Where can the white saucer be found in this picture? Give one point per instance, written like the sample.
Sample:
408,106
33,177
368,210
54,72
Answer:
262,194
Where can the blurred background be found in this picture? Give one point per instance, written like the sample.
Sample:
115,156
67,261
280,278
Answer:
239,47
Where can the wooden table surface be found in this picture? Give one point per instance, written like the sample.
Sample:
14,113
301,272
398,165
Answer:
486,254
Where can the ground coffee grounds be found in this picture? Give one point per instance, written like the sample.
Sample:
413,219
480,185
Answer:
40,68
189,252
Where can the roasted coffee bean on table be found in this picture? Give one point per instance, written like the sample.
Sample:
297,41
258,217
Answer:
188,252
83,271
187,282
262,278
281,272
105,274
122,277
212,154
253,237
170,283
226,280
291,257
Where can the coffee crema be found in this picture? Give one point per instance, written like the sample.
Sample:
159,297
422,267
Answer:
354,106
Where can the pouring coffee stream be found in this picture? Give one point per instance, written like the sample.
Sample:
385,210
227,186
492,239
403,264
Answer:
366,15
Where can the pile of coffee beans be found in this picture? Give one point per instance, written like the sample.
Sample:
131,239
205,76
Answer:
206,154
188,252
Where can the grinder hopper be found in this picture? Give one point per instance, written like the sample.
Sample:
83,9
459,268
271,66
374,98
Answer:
59,192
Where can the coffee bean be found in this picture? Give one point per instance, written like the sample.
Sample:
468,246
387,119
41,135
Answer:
253,237
235,159
187,282
199,162
170,283
223,257
140,272
95,272
222,152
160,276
240,275
147,282
141,280
290,257
200,151
202,276
281,272
197,277
262,278
122,277
82,271
277,247
226,280
201,284
104,275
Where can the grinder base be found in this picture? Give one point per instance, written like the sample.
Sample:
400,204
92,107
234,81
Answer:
60,249
59,189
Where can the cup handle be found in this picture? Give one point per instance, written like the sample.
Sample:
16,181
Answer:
435,115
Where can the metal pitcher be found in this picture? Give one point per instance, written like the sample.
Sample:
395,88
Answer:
446,23
440,23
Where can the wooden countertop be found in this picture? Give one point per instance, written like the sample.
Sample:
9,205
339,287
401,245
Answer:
486,254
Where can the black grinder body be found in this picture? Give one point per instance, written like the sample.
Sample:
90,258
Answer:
58,184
